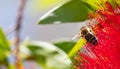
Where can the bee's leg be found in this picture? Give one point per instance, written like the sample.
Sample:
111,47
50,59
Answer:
77,36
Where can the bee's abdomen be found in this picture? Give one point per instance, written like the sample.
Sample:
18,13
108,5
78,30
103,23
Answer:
91,39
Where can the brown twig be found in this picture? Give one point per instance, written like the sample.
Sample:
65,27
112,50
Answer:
17,30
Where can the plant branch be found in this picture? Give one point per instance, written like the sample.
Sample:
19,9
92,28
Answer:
18,28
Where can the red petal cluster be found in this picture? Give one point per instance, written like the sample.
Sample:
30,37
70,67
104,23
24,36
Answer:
105,55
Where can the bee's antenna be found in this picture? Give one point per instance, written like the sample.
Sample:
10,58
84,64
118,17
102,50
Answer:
76,36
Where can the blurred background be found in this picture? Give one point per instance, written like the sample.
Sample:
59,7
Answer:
34,9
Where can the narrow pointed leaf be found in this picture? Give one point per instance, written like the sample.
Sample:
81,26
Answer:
77,47
72,11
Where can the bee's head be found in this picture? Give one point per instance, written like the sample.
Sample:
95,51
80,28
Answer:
83,31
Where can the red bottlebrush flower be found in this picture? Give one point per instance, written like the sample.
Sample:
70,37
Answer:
106,54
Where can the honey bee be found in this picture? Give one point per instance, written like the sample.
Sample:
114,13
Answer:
87,34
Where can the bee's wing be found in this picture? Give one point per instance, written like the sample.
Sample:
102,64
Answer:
77,36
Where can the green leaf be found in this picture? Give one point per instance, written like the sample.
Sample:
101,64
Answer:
3,41
93,3
72,11
77,47
47,55
42,57
66,46
4,49
4,46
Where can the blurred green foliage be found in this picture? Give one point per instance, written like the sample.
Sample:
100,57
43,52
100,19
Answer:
4,49
48,55
66,46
